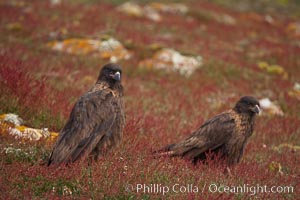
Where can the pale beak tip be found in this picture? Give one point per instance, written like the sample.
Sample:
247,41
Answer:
117,76
257,109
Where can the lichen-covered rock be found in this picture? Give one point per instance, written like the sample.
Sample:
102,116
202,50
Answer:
295,92
152,10
12,124
110,49
174,8
11,118
293,29
273,69
171,60
269,107
224,19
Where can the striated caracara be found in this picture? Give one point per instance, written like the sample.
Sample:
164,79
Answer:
96,122
225,135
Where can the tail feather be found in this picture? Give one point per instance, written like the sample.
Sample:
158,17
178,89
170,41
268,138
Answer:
170,150
189,149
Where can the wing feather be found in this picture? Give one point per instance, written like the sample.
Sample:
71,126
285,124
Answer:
210,135
91,117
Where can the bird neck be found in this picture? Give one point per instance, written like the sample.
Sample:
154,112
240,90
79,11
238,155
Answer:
247,116
241,111
116,86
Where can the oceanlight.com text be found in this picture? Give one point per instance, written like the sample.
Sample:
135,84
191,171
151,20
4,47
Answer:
212,188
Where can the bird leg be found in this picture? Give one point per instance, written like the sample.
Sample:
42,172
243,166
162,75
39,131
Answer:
228,171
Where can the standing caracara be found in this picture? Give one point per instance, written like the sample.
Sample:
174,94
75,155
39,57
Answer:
96,122
225,135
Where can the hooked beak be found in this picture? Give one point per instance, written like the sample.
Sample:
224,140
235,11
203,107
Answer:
116,76
256,109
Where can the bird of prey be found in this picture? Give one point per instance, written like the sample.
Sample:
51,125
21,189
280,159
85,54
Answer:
96,122
225,135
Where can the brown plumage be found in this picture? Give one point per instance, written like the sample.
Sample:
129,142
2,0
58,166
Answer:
225,134
96,122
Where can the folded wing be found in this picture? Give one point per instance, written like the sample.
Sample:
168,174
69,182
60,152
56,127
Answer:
211,136
91,119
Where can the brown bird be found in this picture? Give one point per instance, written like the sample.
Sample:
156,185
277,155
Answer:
225,135
96,122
